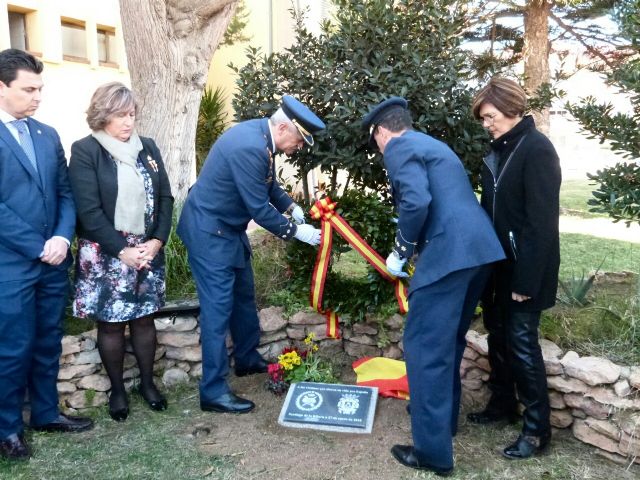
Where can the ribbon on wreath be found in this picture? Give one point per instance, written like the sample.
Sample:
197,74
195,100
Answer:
324,210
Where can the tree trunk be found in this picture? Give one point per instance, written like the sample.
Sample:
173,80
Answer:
536,54
170,44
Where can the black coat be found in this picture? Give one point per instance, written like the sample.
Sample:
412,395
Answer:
521,193
94,181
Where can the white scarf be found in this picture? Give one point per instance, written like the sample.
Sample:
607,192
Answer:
132,198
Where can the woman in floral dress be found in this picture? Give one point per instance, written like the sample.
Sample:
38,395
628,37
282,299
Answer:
124,204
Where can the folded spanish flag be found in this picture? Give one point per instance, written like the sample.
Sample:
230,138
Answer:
390,376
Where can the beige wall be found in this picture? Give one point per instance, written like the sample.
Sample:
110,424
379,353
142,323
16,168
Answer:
270,28
68,84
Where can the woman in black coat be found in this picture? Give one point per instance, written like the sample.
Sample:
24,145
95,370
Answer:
124,207
520,192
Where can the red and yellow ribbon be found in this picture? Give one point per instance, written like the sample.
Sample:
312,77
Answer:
324,210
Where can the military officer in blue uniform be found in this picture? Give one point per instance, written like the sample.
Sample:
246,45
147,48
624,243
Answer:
443,228
238,183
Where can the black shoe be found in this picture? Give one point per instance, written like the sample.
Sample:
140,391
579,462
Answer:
526,446
258,367
158,405
405,454
118,407
228,403
120,414
67,424
492,416
14,447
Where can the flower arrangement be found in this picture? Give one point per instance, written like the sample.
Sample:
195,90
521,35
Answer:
299,365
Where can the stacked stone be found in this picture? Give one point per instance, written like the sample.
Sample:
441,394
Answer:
598,399
474,370
278,332
83,382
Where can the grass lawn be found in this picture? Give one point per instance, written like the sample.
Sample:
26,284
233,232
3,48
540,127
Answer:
148,446
185,443
574,195
580,253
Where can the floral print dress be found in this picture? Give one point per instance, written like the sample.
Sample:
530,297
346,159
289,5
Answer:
106,289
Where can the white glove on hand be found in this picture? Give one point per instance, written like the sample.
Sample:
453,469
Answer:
395,264
298,215
308,234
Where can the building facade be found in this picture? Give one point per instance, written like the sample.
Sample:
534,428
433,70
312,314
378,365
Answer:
80,43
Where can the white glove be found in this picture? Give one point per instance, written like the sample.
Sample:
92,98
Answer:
308,234
298,215
395,264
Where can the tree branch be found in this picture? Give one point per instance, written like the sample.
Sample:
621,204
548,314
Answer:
211,8
569,29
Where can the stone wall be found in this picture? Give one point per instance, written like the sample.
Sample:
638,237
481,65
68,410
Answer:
597,399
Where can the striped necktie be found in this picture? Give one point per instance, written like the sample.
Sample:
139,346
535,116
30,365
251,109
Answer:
25,141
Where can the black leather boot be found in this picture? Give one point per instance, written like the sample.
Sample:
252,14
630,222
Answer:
529,373
527,446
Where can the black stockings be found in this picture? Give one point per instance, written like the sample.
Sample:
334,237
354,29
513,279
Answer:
111,344
143,341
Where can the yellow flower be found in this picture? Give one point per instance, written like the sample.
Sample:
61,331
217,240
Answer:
315,348
309,338
289,360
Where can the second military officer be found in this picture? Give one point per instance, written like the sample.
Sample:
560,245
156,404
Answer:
441,223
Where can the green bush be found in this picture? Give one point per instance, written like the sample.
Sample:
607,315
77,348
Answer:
179,282
212,122
351,296
618,194
372,49
270,270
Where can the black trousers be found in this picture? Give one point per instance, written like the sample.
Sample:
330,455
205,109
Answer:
517,366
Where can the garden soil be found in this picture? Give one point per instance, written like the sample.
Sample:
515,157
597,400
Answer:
262,449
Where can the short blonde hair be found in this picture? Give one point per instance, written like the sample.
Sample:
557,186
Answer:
504,94
107,100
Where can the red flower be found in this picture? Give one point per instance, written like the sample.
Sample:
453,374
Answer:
275,371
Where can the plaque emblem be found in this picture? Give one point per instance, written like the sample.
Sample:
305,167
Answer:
348,404
309,401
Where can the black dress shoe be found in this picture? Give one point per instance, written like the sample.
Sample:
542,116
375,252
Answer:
526,446
158,405
118,407
228,403
14,447
65,423
257,367
120,414
492,416
405,454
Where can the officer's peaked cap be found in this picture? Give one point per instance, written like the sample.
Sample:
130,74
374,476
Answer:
380,112
304,119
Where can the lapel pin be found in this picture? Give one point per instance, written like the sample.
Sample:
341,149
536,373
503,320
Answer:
152,163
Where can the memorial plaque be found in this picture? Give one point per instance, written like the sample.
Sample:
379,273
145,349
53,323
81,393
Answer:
328,406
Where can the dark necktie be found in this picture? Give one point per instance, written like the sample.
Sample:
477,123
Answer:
25,141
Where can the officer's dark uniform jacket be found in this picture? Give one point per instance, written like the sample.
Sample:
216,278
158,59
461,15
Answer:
520,192
439,217
236,184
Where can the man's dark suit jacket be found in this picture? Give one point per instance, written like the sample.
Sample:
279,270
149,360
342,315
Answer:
94,180
34,206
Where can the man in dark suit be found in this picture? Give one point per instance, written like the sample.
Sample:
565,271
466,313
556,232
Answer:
38,218
238,183
442,225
